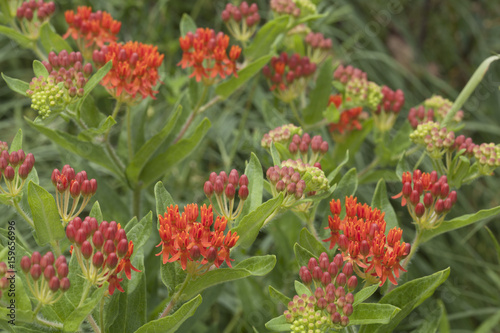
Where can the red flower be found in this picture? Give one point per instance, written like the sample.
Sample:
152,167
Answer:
349,119
206,52
134,72
125,264
114,283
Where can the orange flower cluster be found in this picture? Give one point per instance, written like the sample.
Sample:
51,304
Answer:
205,51
184,238
134,71
361,239
349,119
93,29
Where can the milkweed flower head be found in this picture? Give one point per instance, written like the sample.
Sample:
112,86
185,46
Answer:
428,198
357,88
15,168
102,250
388,109
71,186
206,52
46,277
433,109
32,14
288,75
361,239
307,149
91,30
318,46
242,20
224,188
285,7
282,134
350,119
135,70
194,244
330,303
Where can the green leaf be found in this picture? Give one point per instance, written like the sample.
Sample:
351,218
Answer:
457,175
148,149
156,167
331,113
140,232
278,324
495,242
402,166
372,313
380,200
431,323
225,89
459,222
39,69
171,323
255,176
87,150
249,226
102,128
407,297
23,310
16,85
163,199
401,140
256,266
301,288
45,215
302,255
364,294
73,321
96,79
187,25
334,173
277,295
16,36
96,213
489,324
265,37
17,142
347,185
52,41
319,95
172,275
275,155
310,243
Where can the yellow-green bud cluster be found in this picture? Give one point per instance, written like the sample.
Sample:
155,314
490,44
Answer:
441,107
487,156
375,95
314,177
307,7
304,317
364,92
436,140
47,96
282,134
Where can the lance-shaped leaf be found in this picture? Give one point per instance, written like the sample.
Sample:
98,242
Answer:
16,85
319,95
278,324
278,295
51,40
140,232
372,313
187,25
310,243
254,173
380,200
265,37
21,39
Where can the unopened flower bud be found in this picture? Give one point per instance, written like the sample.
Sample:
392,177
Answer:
326,279
54,284
219,186
280,186
243,192
9,173
348,269
341,279
87,249
64,284
112,260
419,209
25,265
349,298
122,247
98,259
317,273
338,260
305,276
344,321
312,263
208,188
195,253
439,206
109,246
414,197
230,191
343,243
49,272
211,254
336,317
36,257
352,283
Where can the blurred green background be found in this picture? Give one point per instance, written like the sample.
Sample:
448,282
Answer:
423,47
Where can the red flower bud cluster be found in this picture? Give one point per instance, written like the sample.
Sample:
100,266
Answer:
91,30
281,134
285,7
46,275
392,102
205,51
350,119
419,115
42,10
134,71
346,74
4,279
288,74
430,198
224,187
243,12
361,238
68,184
318,46
193,243
14,169
288,181
102,250
68,68
309,150
432,109
332,284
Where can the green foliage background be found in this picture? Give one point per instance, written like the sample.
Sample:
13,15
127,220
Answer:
423,47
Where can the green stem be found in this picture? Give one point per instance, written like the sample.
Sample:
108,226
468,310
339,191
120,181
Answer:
296,114
38,307
369,167
48,323
21,212
137,201
56,247
114,156
129,134
193,114
310,225
114,114
85,292
101,313
92,323
176,297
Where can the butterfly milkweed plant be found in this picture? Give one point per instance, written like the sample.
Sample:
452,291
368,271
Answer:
205,166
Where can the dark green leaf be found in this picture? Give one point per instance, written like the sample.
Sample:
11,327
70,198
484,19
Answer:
302,255
381,201
45,215
319,96
302,289
257,266
103,127
331,113
401,140
458,174
171,323
459,222
73,321
225,89
96,213
364,294
17,142
265,37
172,275
156,167
347,185
39,69
140,232
254,173
277,295
21,39
431,322
187,25
275,155
489,324
16,85
278,324
163,200
402,166
372,313
249,226
310,243
495,242
52,41
335,172
148,149
96,78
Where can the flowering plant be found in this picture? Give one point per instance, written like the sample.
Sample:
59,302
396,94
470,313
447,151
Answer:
130,214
